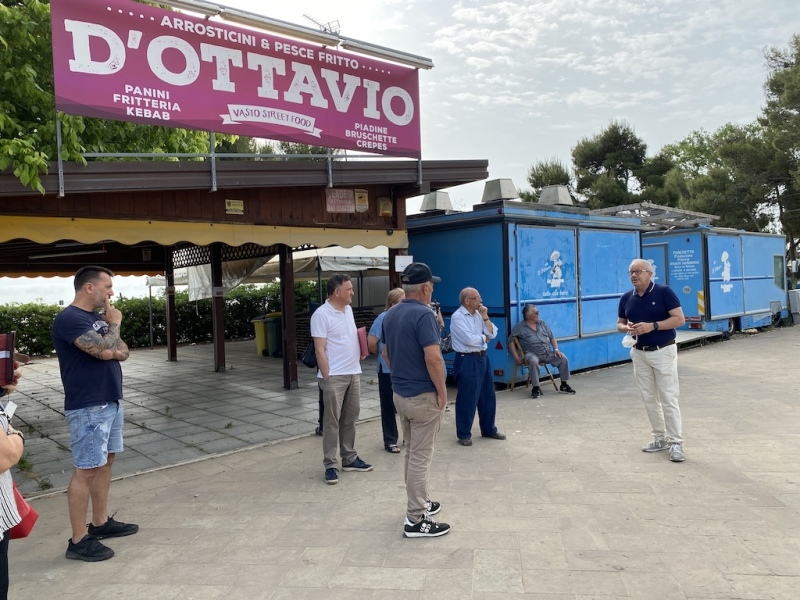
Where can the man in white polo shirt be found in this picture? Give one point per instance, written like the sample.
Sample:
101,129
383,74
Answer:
333,329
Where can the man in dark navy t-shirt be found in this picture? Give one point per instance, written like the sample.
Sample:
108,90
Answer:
411,338
651,312
86,336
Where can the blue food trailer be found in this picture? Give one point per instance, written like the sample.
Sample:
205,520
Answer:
727,280
571,264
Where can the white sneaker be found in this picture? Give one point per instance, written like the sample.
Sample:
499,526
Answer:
676,452
656,446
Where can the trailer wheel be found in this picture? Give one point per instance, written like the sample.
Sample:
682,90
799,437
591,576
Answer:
729,330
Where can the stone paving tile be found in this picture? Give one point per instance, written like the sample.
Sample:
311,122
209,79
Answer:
568,508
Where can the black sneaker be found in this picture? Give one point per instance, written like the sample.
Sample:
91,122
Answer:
432,507
427,527
112,528
565,389
88,549
357,465
536,392
331,476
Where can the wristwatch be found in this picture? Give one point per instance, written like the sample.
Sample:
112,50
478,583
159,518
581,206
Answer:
655,325
12,431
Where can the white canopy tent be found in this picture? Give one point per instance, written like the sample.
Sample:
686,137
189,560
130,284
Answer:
317,264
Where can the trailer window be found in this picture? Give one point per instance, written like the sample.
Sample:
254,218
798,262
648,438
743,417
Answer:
779,271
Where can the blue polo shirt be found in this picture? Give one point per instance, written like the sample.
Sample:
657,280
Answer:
87,380
653,306
408,328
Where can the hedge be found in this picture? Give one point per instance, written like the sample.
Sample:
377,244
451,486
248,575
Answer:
33,321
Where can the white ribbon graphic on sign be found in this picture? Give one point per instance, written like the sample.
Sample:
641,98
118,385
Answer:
247,113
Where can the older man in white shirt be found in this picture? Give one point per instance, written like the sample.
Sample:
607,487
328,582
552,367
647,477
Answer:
471,329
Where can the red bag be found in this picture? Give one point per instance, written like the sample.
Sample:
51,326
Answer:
28,514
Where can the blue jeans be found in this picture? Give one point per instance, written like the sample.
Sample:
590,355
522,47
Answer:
473,375
95,432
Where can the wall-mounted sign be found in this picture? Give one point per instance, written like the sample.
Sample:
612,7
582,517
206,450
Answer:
127,61
340,201
384,206
401,262
362,201
234,207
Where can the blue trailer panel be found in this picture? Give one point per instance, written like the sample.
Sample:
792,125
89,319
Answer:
571,264
725,276
725,279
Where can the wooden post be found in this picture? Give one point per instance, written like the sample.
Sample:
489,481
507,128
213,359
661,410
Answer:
172,313
288,318
217,307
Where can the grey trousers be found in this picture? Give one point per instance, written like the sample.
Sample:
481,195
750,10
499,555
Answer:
562,364
420,418
342,400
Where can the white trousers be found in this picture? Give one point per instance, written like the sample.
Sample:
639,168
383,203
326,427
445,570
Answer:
656,374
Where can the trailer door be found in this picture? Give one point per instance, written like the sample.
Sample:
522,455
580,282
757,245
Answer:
725,276
656,255
604,258
546,275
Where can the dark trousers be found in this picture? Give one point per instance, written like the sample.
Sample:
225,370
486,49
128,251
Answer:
388,421
473,375
4,567
321,407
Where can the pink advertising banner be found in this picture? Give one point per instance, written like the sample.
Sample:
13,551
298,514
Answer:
121,60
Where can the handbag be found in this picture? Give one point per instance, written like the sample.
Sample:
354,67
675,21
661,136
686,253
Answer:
28,514
310,357
446,343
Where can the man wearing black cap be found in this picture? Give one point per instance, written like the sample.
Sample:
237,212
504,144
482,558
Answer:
411,338
471,329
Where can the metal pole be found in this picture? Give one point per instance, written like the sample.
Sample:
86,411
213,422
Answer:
213,153
150,309
330,168
60,159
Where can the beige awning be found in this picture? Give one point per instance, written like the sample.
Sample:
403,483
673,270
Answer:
46,230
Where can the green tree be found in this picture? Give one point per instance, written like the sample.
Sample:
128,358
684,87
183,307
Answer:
244,145
737,173
605,165
27,106
781,119
543,173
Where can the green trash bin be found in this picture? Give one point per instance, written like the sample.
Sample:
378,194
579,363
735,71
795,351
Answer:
274,336
260,325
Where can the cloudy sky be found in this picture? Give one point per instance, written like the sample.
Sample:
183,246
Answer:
518,81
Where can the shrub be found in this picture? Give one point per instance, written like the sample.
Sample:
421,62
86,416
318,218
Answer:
33,321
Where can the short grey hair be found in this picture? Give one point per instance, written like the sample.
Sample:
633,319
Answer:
412,288
647,264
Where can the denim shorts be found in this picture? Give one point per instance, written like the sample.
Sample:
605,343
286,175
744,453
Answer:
94,432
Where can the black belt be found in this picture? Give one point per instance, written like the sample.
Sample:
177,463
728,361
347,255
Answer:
481,353
654,348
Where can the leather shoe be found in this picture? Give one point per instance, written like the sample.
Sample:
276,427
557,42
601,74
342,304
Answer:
465,441
496,435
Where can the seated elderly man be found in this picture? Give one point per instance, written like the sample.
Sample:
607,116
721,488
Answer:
540,346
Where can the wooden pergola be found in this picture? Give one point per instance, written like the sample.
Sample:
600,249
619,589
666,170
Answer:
149,217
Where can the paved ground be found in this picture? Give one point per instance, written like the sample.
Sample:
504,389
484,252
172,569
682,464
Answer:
176,411
568,508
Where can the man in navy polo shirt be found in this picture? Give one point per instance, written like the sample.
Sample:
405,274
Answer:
411,338
651,312
86,336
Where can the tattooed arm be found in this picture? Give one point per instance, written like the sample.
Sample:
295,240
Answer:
109,346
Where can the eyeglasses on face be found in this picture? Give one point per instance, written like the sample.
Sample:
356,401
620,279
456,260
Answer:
637,271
